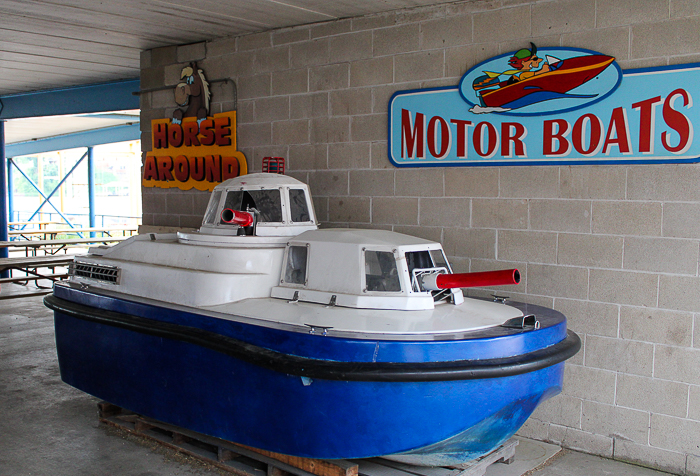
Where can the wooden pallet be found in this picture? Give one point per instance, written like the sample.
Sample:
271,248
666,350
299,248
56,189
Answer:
246,461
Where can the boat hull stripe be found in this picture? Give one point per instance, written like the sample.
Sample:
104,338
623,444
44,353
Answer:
327,369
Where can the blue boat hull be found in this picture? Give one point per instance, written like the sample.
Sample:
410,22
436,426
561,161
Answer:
213,391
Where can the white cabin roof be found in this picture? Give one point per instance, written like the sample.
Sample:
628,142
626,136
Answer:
360,237
259,179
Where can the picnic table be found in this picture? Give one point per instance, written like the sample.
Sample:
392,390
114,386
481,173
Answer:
52,247
42,224
52,233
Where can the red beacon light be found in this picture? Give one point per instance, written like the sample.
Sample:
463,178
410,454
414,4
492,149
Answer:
235,217
435,282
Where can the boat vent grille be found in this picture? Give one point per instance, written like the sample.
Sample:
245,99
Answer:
101,272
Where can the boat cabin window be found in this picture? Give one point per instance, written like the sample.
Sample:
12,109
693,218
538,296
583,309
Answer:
298,206
381,273
210,215
295,271
425,262
267,202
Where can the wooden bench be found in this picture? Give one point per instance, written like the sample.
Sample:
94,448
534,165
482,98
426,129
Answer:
31,266
54,246
52,233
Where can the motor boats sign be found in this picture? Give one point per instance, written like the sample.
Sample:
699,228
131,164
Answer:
549,106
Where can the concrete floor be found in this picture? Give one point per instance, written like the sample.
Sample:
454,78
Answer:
49,428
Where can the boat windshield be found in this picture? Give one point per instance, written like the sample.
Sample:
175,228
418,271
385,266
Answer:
298,205
267,202
381,273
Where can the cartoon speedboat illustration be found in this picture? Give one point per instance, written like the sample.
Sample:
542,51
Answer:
262,329
557,78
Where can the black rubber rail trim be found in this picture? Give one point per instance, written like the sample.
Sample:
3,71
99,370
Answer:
327,369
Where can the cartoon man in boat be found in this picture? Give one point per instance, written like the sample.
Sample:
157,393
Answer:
534,79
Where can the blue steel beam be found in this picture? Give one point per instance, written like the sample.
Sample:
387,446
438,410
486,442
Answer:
3,198
91,188
106,135
112,96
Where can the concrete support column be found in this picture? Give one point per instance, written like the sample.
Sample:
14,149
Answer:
3,197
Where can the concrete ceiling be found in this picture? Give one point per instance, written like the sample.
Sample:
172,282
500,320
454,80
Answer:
46,44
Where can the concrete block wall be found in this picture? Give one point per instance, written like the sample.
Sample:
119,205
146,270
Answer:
616,248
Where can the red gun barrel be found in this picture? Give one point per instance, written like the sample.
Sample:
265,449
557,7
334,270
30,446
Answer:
235,217
434,282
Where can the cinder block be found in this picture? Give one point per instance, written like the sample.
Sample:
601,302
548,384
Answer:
513,23
191,221
561,215
372,183
179,203
154,200
472,182
613,421
152,77
308,156
594,251
165,220
272,109
563,17
470,243
201,201
620,355
534,429
382,95
430,233
675,434
652,395
162,99
349,209
419,66
395,40
309,53
611,41
255,41
645,455
664,255
459,59
530,246
370,22
442,33
676,183
163,56
394,211
223,92
351,102
499,213
245,112
665,38
679,293
348,155
656,325
271,59
379,157
334,27
332,129
251,135
595,385
221,46
557,281
623,287
191,52
529,182
560,410
328,183
250,87
372,72
351,47
681,220
694,403
368,127
424,182
692,466
627,218
324,78
145,59
290,35
321,208
592,182
586,317
308,105
444,212
678,364
684,8
420,14
290,132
